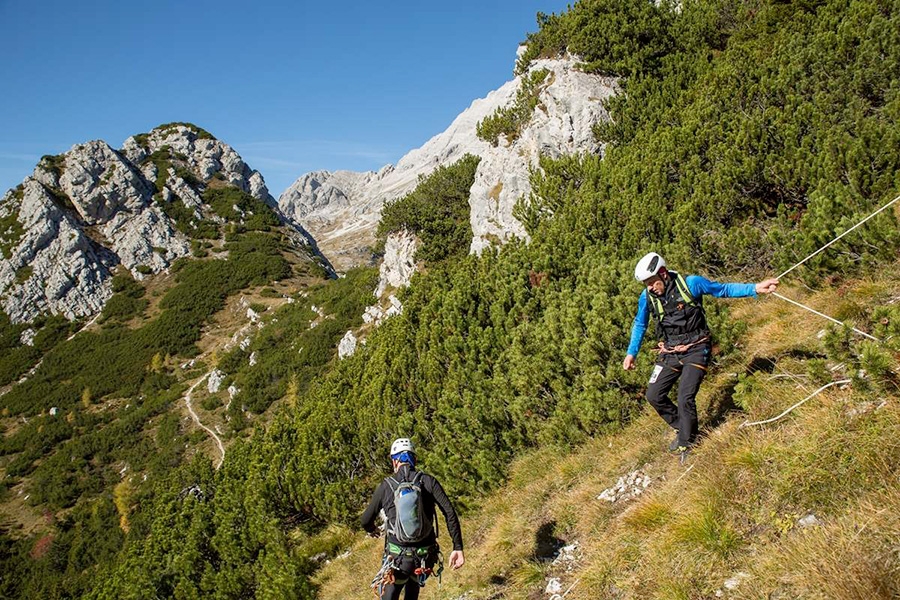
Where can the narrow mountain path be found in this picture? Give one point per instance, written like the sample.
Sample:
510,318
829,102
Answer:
187,402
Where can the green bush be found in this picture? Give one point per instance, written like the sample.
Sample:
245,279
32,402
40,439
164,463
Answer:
613,37
201,133
255,214
510,120
437,211
127,300
10,232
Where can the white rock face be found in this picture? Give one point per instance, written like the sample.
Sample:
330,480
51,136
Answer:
809,520
554,586
83,213
214,383
205,157
111,195
399,264
569,104
377,313
27,337
347,347
342,209
69,273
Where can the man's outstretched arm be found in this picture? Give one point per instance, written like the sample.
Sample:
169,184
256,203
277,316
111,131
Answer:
700,286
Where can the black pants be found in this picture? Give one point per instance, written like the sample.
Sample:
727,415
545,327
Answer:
688,369
405,578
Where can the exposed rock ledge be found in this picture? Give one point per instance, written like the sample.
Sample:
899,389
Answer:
341,209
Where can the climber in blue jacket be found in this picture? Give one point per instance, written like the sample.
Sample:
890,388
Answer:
676,304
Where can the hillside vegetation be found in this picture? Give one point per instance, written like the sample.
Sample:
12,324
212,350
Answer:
802,508
747,135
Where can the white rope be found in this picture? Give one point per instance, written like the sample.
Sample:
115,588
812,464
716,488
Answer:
815,393
839,237
803,306
683,474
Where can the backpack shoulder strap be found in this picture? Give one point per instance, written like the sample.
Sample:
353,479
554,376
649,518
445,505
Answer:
656,303
388,481
684,290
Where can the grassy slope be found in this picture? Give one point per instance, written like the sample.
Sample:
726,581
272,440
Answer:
735,508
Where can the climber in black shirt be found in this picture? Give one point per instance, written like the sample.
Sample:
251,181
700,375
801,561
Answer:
411,548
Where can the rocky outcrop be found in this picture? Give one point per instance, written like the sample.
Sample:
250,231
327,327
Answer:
569,104
399,262
342,209
214,382
378,312
50,265
346,230
84,213
347,346
109,194
205,156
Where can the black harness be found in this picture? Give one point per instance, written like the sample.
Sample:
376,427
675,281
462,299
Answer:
680,319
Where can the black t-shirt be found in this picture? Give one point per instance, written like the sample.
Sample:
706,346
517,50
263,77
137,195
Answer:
434,494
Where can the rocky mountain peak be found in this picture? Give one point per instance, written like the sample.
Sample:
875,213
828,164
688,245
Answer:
92,210
200,152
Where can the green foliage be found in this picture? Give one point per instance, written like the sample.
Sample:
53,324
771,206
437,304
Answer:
289,350
24,274
162,160
185,220
53,164
114,361
614,37
187,175
10,231
143,140
127,300
15,359
511,120
238,206
437,211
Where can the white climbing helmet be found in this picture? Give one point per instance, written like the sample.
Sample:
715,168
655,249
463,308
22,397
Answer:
648,266
402,445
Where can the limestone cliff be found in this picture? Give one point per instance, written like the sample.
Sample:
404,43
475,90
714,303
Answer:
83,214
342,209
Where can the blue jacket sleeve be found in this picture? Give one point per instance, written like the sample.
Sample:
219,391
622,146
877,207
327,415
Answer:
640,325
701,285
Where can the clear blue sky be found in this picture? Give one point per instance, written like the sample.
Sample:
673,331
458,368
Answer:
293,86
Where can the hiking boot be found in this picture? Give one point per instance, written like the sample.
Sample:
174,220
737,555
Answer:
673,447
685,452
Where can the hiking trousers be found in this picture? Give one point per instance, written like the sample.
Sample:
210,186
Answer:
394,590
687,369
405,577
